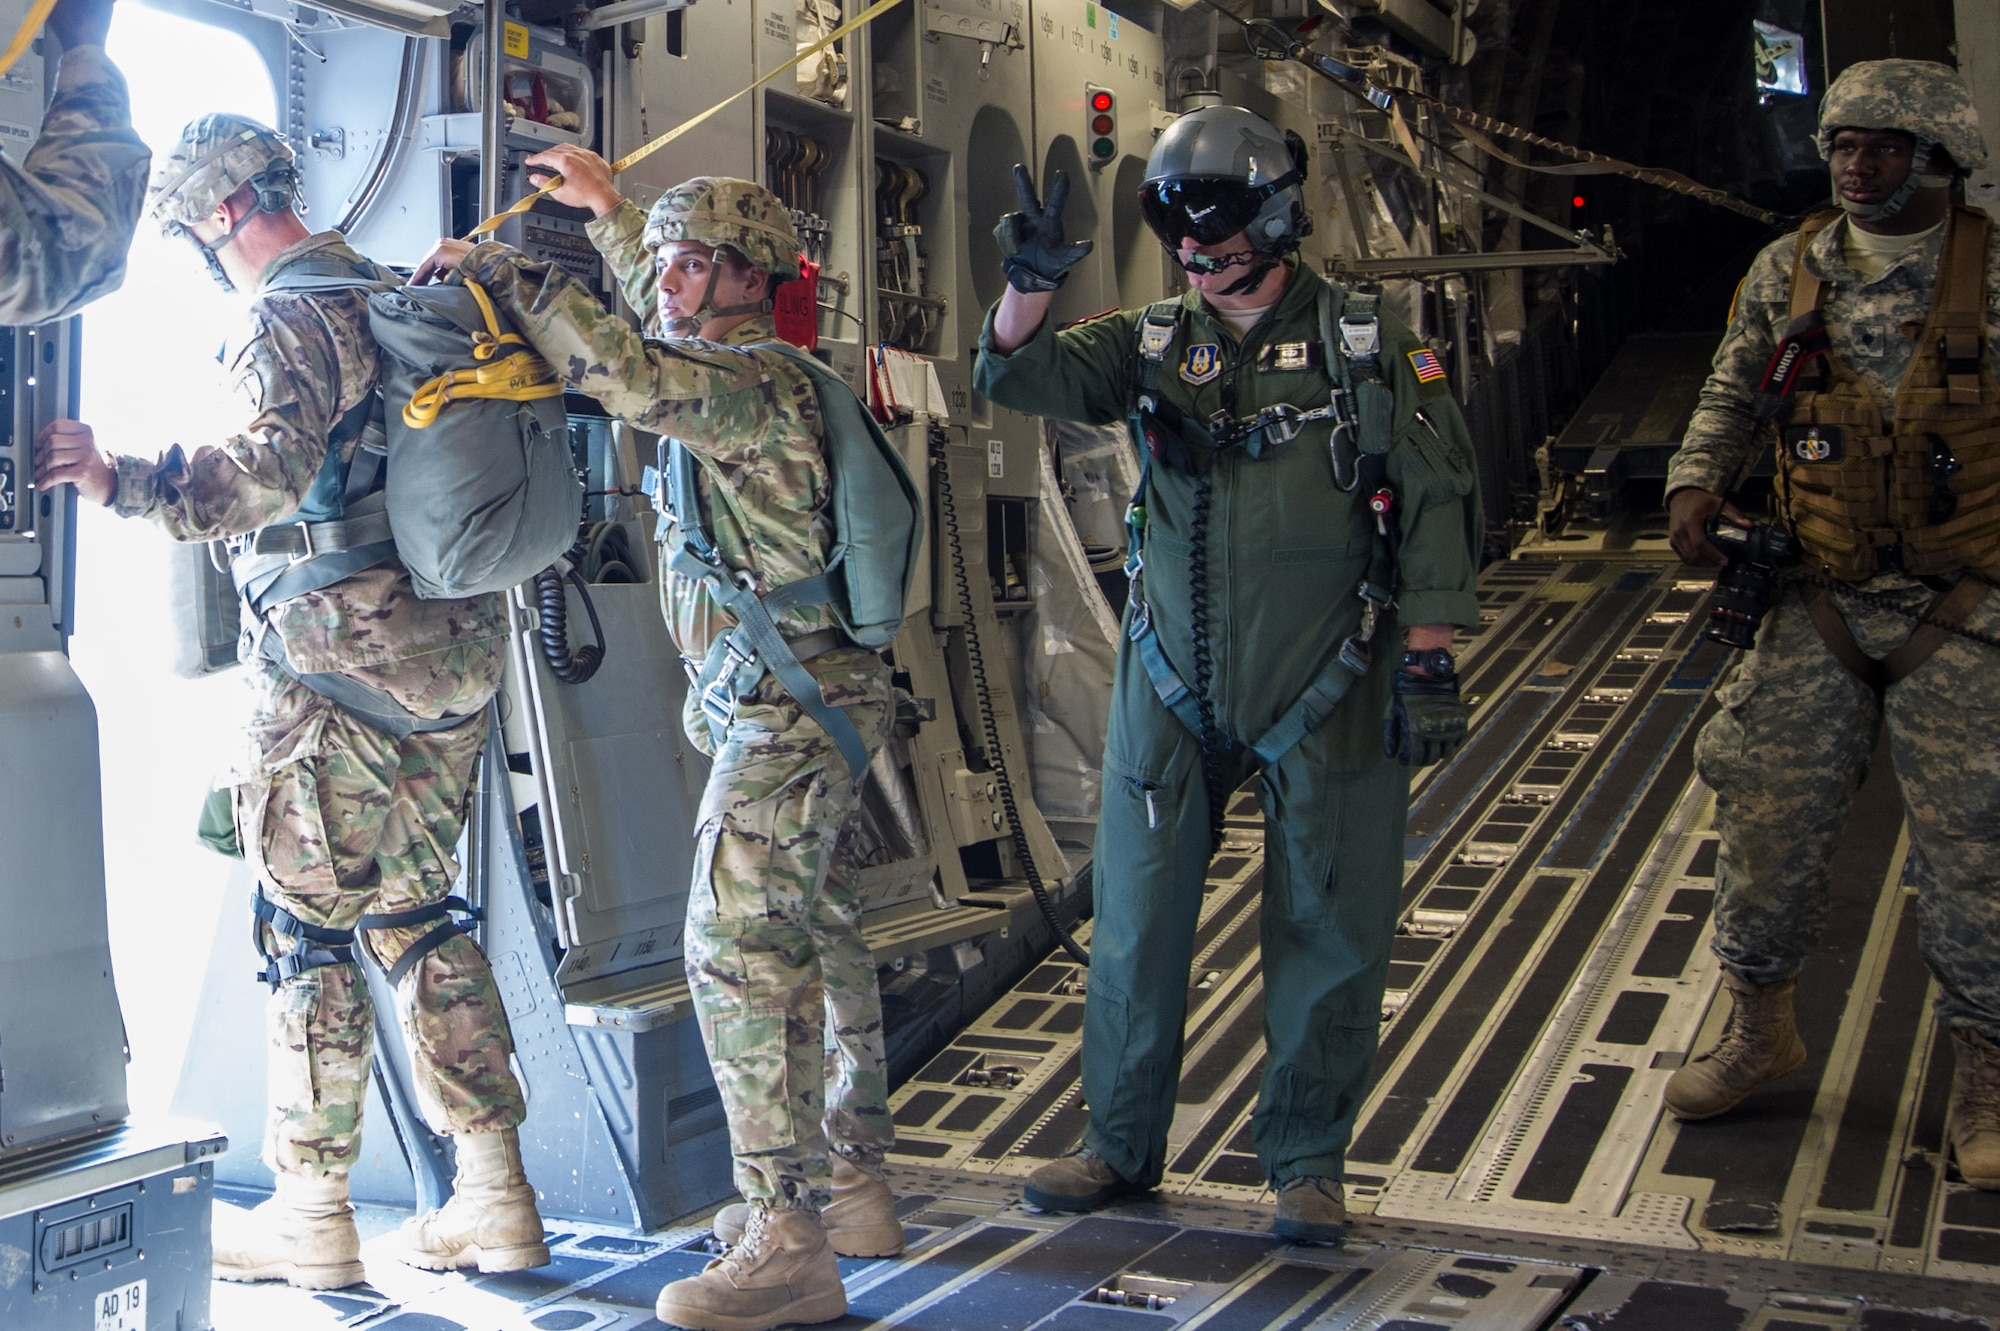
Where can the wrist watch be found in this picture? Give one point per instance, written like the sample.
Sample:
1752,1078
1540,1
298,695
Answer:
1437,661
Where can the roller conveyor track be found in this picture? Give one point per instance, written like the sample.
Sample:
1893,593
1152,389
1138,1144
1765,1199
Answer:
1511,1168
1550,972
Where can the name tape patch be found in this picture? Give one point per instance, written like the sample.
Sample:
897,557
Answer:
1284,356
1427,366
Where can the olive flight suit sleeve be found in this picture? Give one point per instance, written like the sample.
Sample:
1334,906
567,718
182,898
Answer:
1721,441
1076,374
709,396
1434,474
293,381
67,211
619,237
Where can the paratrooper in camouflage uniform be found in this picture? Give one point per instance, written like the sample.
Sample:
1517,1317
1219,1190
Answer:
67,210
340,820
1798,723
776,963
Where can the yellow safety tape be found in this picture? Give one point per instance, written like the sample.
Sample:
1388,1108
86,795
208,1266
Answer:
38,14
861,20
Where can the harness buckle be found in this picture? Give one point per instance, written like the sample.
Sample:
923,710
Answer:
718,700
306,537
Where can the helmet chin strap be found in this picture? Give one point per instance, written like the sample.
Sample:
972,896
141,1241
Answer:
1920,155
207,252
1259,262
690,325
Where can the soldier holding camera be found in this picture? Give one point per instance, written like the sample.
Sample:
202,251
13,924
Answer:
1867,339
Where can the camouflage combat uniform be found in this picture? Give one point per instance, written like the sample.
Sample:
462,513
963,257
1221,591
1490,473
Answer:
1792,741
775,958
336,817
68,210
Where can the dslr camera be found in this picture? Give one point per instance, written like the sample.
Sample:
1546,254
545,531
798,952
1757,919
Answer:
1749,582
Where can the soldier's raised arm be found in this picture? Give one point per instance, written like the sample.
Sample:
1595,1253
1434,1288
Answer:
67,210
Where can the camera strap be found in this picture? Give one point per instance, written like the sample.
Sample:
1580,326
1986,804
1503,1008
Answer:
1804,342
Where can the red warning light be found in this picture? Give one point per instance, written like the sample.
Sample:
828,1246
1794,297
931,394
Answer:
1576,202
1100,101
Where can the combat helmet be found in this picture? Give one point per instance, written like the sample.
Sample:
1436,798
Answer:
1220,170
725,213
216,156
1926,100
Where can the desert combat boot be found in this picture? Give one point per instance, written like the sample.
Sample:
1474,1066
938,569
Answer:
1975,1107
782,1270
860,1221
1079,1181
304,1236
1760,1043
1312,1210
490,1222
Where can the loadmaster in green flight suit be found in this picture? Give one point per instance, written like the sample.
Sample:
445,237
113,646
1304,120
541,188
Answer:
1276,416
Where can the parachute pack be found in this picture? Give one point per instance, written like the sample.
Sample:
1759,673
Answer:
477,488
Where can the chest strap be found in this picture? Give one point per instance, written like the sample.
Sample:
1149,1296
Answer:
740,658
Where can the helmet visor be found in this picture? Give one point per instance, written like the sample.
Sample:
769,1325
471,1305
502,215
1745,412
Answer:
1210,209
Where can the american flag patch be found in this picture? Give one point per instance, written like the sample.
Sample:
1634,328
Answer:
1426,365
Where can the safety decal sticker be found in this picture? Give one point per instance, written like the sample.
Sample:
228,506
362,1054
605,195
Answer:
1427,366
1202,362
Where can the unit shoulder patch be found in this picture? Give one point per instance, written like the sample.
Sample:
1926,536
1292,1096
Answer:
1202,363
1428,367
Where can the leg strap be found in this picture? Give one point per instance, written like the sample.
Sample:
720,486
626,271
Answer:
1839,640
1952,608
312,946
429,943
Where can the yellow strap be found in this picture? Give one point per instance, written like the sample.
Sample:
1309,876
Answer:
522,377
865,17
38,14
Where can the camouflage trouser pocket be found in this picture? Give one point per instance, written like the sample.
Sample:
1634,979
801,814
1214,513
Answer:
289,1021
279,813
750,1063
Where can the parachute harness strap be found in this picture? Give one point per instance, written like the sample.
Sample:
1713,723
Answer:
521,376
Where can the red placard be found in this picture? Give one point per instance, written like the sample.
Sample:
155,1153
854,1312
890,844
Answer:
795,307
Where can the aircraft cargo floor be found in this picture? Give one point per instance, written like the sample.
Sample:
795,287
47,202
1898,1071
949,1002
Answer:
1512,1167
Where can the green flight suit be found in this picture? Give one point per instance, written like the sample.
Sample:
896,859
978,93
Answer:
1286,551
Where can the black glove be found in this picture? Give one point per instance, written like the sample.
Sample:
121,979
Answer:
1426,721
81,23
1031,241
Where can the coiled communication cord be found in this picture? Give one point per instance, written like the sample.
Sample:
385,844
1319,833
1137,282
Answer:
995,755
1204,664
571,666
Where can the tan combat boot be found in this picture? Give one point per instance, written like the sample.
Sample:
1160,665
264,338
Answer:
1312,1210
490,1222
1975,1107
860,1221
1760,1043
781,1271
304,1236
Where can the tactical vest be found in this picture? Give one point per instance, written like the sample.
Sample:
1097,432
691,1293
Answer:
1918,492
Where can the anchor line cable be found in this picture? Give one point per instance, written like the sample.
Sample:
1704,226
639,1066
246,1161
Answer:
554,182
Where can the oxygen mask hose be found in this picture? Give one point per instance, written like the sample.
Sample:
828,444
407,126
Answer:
996,756
1204,663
